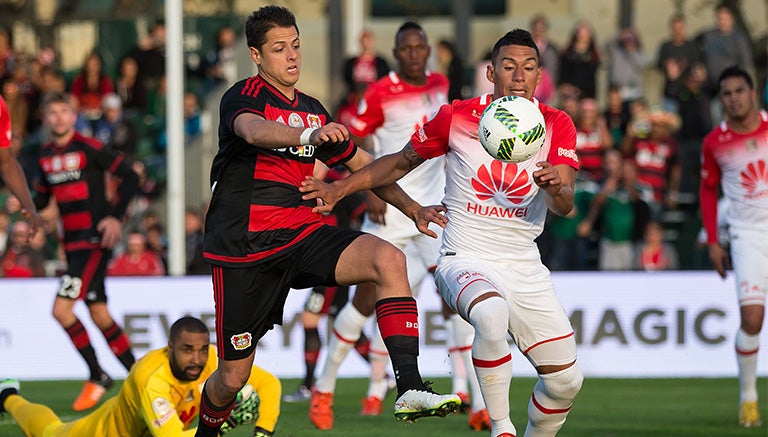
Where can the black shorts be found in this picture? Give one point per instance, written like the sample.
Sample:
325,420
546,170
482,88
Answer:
84,277
249,301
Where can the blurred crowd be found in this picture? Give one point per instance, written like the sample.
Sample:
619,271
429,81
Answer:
636,193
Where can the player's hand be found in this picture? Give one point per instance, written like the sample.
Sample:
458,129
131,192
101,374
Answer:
314,188
34,220
720,260
548,178
109,228
330,133
430,214
375,208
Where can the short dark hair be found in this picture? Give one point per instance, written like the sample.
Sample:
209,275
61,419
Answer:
55,97
736,71
408,25
261,21
517,37
187,324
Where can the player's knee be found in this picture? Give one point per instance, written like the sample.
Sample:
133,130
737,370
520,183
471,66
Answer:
390,259
231,382
564,384
490,319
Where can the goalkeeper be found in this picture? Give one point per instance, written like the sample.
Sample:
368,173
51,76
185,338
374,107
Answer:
160,396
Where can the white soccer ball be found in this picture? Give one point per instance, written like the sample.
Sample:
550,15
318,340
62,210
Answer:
512,129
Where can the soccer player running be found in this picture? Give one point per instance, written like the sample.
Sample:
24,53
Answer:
160,396
734,156
490,269
13,174
73,169
390,111
263,239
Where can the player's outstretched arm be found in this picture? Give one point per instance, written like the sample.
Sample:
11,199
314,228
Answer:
270,134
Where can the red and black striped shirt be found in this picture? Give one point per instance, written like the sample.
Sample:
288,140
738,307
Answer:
256,211
75,176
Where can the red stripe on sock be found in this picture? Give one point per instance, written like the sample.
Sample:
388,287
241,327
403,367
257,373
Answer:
120,345
491,363
397,316
78,335
742,352
343,339
546,410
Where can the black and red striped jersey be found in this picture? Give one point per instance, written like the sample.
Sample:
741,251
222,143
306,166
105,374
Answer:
256,211
75,176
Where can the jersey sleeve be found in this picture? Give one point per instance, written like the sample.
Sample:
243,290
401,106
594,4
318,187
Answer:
562,148
708,190
431,140
5,125
234,104
369,114
158,412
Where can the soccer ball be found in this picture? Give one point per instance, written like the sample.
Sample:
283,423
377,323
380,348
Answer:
512,129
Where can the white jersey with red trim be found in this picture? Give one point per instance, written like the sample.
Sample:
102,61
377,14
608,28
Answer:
740,163
495,210
391,110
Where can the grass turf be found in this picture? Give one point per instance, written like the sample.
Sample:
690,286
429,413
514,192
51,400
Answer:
605,408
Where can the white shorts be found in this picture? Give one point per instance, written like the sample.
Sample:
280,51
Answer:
749,253
538,324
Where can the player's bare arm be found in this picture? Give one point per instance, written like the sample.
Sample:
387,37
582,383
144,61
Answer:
558,182
270,134
719,258
379,175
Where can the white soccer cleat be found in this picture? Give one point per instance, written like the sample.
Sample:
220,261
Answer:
415,404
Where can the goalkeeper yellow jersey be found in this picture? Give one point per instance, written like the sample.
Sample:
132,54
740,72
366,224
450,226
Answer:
152,402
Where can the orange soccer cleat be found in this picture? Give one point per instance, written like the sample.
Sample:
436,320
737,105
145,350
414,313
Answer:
92,392
479,420
371,406
321,410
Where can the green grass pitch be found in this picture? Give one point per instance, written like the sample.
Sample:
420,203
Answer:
684,407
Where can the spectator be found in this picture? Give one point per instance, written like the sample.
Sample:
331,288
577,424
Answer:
676,55
692,104
481,82
626,64
723,46
452,67
620,210
592,139
137,260
193,229
367,67
130,89
192,128
20,260
649,142
91,85
580,61
5,227
653,253
616,115
569,250
7,56
549,53
150,57
113,129
219,65
158,242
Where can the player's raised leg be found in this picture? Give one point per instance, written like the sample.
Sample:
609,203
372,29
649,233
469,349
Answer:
370,259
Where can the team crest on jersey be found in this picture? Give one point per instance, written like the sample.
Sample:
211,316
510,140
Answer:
751,144
294,120
313,120
241,341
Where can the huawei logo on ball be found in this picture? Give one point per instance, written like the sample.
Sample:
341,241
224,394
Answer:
502,179
754,179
